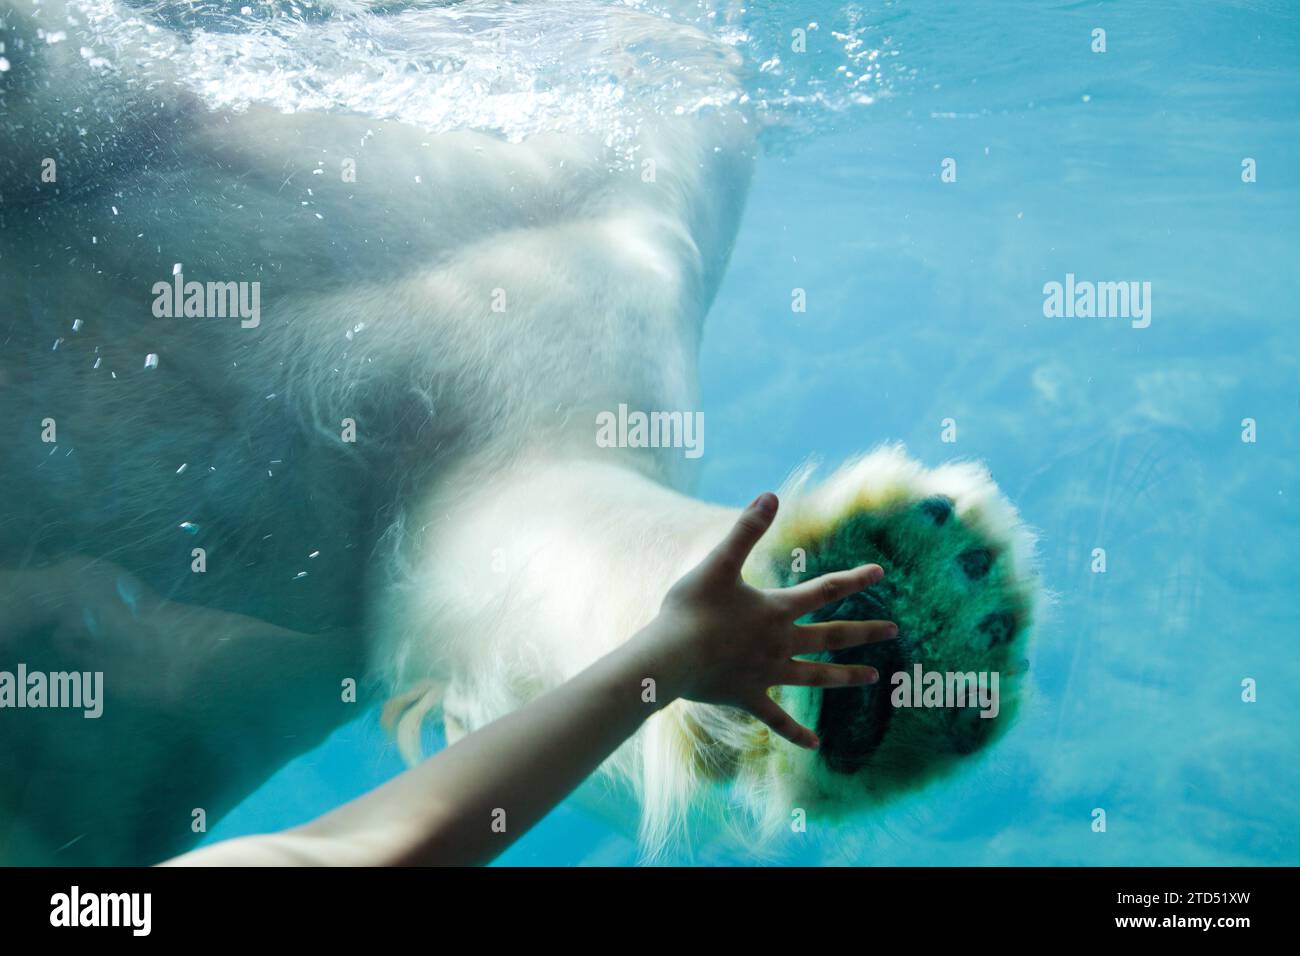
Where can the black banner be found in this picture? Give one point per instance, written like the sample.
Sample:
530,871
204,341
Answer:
334,906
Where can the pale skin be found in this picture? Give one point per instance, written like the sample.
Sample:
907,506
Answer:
716,640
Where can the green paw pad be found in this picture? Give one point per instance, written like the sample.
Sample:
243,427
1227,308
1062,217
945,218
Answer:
960,608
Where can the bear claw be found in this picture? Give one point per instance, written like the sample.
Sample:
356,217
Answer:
938,508
975,563
999,627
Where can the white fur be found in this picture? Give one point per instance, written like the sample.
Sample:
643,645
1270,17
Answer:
551,564
473,425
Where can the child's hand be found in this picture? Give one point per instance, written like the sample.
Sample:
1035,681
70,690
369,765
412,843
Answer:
719,641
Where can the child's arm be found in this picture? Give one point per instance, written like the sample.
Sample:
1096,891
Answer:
716,640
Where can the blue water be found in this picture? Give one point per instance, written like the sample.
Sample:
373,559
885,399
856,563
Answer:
925,302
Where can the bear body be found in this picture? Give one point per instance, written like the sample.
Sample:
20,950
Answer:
435,311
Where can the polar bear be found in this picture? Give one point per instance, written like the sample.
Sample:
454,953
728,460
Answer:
390,474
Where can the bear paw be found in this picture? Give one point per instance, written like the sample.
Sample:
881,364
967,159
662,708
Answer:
960,584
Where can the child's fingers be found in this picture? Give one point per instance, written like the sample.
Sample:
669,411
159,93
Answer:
729,556
770,713
810,595
837,635
812,674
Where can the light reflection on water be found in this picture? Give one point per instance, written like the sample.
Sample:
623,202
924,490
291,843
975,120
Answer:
516,69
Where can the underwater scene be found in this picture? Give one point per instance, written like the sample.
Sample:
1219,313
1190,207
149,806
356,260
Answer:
1000,297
